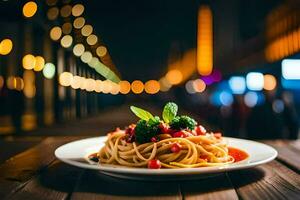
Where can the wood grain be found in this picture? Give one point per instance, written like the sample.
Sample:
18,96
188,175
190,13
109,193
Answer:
18,170
94,185
211,188
268,181
55,182
286,153
12,148
36,174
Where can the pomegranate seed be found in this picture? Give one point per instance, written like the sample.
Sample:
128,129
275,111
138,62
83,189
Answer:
180,134
153,139
163,128
176,148
154,164
218,135
200,130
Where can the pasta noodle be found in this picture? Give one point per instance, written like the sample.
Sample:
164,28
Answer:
195,151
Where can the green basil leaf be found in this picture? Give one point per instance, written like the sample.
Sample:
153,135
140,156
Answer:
169,112
141,113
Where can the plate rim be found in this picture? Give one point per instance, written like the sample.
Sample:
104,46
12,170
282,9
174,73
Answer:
180,171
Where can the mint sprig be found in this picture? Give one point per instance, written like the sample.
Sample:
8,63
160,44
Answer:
141,113
169,112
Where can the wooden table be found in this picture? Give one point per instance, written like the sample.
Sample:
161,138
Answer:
36,174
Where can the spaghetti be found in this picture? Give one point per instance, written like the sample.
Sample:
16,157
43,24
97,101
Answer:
195,151
174,142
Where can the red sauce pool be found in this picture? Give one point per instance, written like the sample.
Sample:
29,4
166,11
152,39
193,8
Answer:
237,154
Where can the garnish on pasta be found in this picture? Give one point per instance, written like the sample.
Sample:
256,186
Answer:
171,142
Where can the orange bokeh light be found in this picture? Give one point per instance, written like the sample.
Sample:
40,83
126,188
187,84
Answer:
152,87
137,86
124,87
199,85
174,76
269,82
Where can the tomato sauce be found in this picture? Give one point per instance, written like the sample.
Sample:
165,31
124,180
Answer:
237,154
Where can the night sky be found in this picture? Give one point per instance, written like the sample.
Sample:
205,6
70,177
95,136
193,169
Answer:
140,34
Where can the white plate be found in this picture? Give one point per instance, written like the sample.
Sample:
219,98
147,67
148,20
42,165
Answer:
75,153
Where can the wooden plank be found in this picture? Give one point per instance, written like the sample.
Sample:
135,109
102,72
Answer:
18,170
295,144
269,181
94,185
211,188
55,182
286,153
12,148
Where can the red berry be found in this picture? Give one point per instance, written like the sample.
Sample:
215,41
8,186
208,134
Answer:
200,130
153,139
218,135
154,164
163,128
176,148
180,134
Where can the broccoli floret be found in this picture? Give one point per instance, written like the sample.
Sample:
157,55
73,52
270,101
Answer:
183,122
145,130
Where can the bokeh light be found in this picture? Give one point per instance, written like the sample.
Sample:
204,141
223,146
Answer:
66,41
255,81
65,11
55,33
237,84
124,87
93,62
106,86
28,61
115,88
77,81
92,39
90,85
51,2
174,76
53,13
269,82
29,9
67,28
77,10
278,106
15,83
152,87
98,86
65,78
83,83
199,85
86,57
79,22
87,30
49,70
226,98
165,85
29,84
101,51
251,99
137,86
189,86
290,69
6,46
39,63
78,50
205,41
